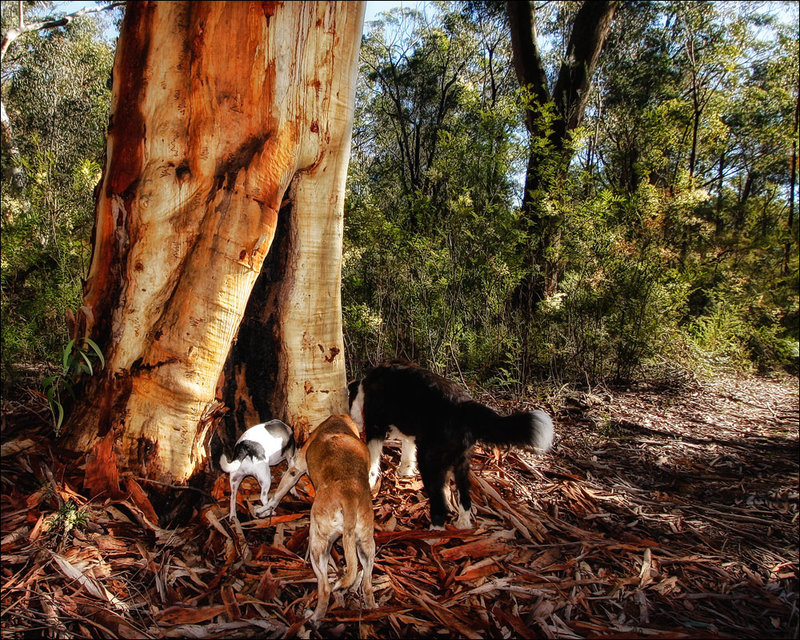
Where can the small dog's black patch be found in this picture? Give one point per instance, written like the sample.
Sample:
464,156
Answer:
249,449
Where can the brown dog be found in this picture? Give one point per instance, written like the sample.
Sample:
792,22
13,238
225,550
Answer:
337,461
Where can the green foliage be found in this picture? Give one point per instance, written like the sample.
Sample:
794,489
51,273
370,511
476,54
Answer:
56,91
666,237
430,237
76,361
68,517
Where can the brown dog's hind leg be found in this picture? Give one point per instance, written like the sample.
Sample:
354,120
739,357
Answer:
366,553
349,545
319,554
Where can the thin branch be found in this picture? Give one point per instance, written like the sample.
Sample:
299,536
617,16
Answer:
49,23
17,173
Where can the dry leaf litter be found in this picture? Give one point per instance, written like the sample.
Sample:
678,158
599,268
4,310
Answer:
661,512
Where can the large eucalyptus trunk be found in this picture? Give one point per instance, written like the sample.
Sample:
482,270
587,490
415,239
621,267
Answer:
230,120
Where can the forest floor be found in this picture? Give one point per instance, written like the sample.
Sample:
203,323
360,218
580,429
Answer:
662,511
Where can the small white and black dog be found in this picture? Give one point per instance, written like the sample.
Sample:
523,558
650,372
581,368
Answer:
444,421
258,448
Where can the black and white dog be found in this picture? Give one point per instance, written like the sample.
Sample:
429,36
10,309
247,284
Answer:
444,421
258,448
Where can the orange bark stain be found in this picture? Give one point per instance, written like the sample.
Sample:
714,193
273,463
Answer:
127,128
102,475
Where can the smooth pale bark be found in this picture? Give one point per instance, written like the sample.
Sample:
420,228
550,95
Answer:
218,107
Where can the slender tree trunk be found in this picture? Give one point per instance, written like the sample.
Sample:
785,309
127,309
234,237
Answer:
790,222
695,130
570,95
720,177
695,106
220,109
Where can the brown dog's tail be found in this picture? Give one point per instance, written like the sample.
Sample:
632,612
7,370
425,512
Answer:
349,544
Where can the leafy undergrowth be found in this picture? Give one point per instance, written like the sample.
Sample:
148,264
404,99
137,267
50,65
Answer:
661,512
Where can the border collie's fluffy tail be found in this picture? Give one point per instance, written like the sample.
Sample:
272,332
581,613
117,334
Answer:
527,429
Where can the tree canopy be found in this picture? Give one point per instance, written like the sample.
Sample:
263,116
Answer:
671,230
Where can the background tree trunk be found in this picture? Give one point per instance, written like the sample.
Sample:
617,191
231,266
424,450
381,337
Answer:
220,111
790,222
569,98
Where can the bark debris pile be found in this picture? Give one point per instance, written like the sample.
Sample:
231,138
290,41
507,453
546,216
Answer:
661,512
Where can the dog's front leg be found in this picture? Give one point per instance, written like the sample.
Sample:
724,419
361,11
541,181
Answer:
408,456
374,445
289,479
461,475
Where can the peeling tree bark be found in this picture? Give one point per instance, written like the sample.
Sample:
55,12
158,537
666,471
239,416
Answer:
219,109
